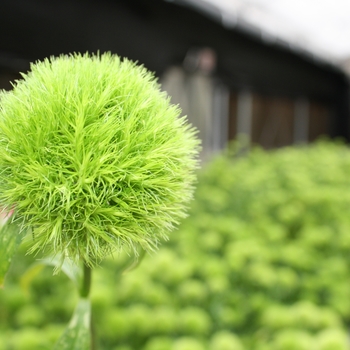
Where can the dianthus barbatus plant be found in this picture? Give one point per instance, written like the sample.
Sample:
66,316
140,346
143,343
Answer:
93,157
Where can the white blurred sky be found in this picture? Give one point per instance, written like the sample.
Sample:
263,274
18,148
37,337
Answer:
320,26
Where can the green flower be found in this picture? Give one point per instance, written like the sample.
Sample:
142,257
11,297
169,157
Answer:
94,157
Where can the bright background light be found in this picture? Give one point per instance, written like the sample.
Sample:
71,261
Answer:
319,26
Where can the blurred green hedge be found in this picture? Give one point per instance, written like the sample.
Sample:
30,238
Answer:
261,263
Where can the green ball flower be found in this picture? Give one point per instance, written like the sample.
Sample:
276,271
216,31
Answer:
94,157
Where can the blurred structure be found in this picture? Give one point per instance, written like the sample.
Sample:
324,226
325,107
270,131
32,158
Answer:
201,96
229,77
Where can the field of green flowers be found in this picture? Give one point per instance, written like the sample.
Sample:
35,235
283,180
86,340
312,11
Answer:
261,263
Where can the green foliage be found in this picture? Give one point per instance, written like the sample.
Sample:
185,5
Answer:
77,335
262,263
10,239
94,157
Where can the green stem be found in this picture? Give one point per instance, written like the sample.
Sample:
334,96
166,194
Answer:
86,283
84,293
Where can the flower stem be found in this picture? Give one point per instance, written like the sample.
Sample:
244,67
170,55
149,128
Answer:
86,283
84,293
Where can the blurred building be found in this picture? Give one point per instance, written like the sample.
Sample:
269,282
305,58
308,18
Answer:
228,76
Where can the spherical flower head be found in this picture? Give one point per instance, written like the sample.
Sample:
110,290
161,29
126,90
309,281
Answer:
94,157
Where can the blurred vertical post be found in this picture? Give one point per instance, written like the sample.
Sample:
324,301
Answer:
203,98
244,114
301,120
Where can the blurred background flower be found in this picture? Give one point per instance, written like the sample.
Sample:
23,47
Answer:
262,262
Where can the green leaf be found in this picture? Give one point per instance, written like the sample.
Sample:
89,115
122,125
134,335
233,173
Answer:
29,275
10,239
130,262
77,335
134,262
68,267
